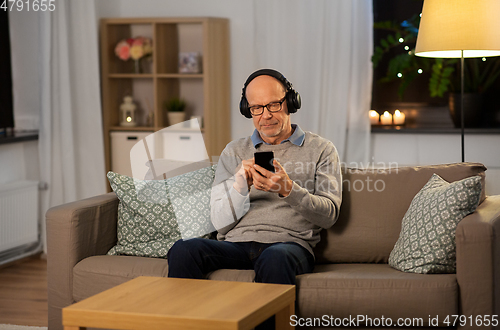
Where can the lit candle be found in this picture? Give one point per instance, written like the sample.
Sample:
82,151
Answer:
374,117
399,118
386,118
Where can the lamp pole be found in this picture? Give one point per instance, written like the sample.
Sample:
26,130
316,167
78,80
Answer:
462,102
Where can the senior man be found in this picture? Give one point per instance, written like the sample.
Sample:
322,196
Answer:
268,221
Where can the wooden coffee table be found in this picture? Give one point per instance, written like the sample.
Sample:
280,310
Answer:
172,303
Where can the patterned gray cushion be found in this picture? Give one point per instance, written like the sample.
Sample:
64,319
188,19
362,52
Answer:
154,214
426,243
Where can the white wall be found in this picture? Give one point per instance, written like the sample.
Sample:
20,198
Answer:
239,13
430,149
19,161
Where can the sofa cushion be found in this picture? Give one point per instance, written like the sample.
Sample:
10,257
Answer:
146,223
336,289
154,214
189,194
375,290
237,275
374,202
427,240
99,273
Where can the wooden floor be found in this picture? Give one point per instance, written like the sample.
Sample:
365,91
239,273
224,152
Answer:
23,293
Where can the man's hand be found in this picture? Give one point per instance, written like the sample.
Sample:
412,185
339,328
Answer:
243,178
277,182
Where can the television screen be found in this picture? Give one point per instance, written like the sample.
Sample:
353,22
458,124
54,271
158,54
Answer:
6,103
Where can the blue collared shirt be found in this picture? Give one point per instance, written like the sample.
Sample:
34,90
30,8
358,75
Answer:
296,138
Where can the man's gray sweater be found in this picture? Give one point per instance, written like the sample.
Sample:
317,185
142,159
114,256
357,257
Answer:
266,217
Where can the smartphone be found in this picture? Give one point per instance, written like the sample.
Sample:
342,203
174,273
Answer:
265,159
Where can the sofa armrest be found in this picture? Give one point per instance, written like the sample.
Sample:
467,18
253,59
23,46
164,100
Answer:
76,231
478,260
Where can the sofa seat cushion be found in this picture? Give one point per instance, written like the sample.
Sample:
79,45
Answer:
236,275
375,290
99,273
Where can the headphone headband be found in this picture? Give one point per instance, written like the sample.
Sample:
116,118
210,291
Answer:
293,101
268,72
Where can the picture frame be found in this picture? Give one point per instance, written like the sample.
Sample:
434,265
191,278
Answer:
190,62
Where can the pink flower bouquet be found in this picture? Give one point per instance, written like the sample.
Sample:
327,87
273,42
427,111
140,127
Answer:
134,48
122,50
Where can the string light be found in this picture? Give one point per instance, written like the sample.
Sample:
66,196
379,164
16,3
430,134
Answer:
420,71
401,40
400,75
484,59
407,47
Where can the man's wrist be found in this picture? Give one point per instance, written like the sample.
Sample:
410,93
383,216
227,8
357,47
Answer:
287,189
239,189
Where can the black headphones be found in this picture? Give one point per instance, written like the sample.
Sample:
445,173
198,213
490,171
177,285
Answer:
292,97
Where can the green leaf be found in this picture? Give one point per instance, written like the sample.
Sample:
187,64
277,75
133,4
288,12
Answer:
386,79
391,39
448,71
408,78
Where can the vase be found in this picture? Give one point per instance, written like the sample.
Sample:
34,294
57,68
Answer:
137,66
473,109
176,117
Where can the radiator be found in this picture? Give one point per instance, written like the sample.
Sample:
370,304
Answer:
19,225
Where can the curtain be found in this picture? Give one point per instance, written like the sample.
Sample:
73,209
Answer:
71,149
324,48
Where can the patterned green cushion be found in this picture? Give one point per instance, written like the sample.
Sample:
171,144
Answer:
154,214
426,243
190,198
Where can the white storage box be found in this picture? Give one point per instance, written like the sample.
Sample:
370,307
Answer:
121,144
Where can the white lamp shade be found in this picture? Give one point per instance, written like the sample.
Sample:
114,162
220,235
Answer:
449,26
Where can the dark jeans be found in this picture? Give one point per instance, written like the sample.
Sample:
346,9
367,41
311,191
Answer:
277,263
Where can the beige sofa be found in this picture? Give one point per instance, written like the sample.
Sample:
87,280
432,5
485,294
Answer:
351,277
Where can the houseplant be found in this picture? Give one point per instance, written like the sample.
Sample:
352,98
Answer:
175,110
399,44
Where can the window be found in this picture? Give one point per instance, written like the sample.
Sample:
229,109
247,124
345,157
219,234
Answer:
6,100
386,93
422,110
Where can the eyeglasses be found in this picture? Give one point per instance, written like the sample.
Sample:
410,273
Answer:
257,110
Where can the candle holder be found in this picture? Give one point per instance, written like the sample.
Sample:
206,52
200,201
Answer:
374,117
128,109
398,118
386,118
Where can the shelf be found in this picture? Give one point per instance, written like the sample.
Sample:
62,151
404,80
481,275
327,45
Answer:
180,75
149,129
431,130
158,75
206,93
132,128
16,136
131,75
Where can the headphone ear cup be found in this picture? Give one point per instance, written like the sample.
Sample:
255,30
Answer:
244,110
293,101
297,101
289,102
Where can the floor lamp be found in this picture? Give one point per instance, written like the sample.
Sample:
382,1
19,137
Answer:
459,29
